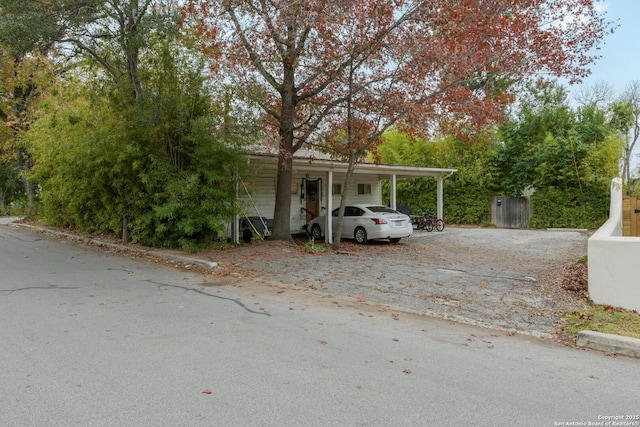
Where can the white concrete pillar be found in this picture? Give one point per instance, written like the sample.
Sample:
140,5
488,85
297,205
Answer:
327,215
393,200
440,197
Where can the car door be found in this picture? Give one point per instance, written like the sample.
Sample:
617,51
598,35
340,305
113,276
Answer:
348,222
334,220
351,217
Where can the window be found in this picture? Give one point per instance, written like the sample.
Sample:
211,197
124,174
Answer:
337,189
351,211
364,188
380,209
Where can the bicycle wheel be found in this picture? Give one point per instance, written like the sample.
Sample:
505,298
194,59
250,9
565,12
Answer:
439,225
429,225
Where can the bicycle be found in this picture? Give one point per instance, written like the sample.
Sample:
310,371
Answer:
429,222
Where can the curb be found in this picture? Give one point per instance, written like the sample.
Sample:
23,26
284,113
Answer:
610,343
581,230
209,265
175,257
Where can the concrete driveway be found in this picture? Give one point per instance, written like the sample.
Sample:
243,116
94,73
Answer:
499,278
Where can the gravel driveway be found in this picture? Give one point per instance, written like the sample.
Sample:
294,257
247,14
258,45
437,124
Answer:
499,278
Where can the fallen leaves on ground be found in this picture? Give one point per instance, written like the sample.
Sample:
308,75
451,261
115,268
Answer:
575,279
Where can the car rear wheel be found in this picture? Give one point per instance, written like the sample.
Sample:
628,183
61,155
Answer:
360,235
316,232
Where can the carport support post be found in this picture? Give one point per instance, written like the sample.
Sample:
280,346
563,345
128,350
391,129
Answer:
440,197
393,200
328,226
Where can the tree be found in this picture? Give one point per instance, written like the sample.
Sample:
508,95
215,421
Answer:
543,111
165,164
599,94
294,58
110,33
9,185
568,156
23,78
468,192
142,142
626,119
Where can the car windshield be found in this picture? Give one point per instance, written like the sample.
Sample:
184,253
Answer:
380,209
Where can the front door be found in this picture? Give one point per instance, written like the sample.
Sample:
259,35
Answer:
311,198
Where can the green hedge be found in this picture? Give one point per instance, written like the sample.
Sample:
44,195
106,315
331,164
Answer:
553,208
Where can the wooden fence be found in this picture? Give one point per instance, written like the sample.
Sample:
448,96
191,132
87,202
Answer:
510,212
630,216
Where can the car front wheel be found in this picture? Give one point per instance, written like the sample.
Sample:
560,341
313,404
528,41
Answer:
360,235
316,232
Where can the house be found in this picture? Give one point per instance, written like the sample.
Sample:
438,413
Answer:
318,184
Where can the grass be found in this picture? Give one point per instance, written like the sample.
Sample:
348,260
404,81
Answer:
311,246
601,318
593,317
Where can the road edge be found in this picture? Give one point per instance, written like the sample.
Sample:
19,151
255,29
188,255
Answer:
609,343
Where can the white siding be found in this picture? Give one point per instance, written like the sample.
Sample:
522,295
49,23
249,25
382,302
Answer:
261,198
263,188
298,216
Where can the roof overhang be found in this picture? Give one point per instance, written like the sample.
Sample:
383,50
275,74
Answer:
381,171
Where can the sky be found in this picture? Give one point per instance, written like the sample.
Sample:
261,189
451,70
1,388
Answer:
620,62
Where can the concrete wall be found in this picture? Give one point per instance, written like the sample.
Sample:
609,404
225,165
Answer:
614,260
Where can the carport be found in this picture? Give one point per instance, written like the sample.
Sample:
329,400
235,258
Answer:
380,172
313,179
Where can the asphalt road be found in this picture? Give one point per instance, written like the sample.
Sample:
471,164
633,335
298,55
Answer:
93,338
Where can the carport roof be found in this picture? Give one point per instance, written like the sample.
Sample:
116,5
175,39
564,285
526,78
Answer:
380,170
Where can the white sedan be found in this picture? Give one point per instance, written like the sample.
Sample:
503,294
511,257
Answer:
363,222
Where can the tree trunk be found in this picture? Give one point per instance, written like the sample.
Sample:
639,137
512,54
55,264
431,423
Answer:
282,212
343,201
25,165
626,166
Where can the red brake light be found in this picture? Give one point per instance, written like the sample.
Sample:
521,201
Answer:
379,221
